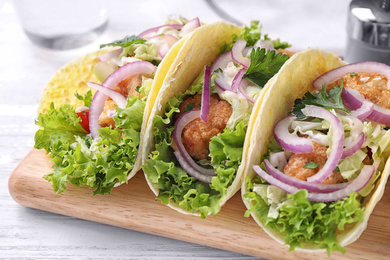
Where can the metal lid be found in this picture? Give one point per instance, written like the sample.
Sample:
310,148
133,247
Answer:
369,22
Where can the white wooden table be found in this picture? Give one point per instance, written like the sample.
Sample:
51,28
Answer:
24,71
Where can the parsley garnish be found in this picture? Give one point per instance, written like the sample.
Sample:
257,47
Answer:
138,89
352,74
311,165
330,100
125,42
189,107
87,98
264,65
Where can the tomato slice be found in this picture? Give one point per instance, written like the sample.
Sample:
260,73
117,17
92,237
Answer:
84,120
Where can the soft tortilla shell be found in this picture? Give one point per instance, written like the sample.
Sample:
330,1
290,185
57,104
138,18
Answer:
292,82
73,77
200,49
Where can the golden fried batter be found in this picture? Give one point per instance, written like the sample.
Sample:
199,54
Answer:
126,87
371,85
287,52
197,134
294,167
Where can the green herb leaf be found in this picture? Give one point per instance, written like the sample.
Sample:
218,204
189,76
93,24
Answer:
330,100
125,42
264,65
189,107
87,98
352,74
311,165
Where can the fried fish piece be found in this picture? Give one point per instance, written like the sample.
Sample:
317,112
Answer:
197,134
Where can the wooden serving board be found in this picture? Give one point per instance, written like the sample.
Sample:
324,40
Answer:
133,207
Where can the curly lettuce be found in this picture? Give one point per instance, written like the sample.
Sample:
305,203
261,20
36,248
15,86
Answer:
83,161
174,183
306,222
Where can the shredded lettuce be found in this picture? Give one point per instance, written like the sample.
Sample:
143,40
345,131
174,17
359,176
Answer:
81,160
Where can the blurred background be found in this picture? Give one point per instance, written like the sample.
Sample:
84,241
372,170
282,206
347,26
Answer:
25,69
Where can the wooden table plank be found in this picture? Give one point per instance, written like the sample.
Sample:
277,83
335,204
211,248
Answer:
133,207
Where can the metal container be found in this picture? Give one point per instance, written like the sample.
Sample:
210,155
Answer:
368,29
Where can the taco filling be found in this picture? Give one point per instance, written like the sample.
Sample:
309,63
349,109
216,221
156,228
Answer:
324,160
96,144
199,139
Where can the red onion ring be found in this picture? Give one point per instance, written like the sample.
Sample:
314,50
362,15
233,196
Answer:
99,99
354,146
118,98
290,142
364,111
205,108
108,55
300,184
241,88
155,29
355,185
190,26
237,55
365,66
191,167
221,62
237,80
337,141
352,99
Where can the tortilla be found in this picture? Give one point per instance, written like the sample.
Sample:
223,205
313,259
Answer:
73,77
292,82
200,49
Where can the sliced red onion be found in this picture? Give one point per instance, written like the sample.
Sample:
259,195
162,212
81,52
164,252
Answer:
364,111
365,66
237,55
99,99
354,146
352,99
237,80
220,63
163,38
196,171
156,29
118,98
242,89
109,55
301,184
163,50
205,108
355,185
289,141
190,26
337,141
190,170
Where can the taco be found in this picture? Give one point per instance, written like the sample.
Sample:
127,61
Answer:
316,159
200,117
93,112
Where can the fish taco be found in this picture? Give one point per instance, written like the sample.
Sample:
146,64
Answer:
93,112
199,121
316,159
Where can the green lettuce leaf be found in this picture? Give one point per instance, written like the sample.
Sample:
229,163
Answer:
83,161
307,222
174,183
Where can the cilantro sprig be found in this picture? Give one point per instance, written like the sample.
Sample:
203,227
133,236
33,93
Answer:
264,65
330,100
125,42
